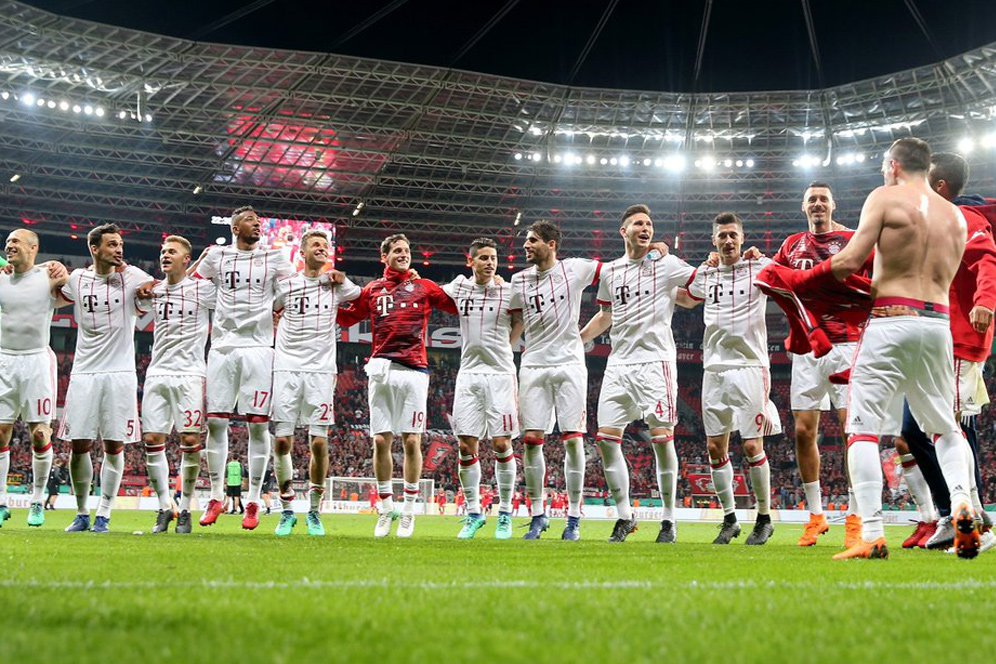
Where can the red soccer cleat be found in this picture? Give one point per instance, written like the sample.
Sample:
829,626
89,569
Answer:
251,519
214,509
913,541
928,532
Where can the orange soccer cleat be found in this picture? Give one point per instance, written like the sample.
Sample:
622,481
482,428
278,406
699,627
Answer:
817,526
967,538
215,508
873,550
852,531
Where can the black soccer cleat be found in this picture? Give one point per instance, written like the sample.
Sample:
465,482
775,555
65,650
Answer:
728,530
622,529
763,530
183,523
668,533
163,519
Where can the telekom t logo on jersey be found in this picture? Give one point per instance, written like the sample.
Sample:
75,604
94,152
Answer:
165,310
384,304
536,302
803,263
301,304
89,303
231,278
715,292
467,306
622,295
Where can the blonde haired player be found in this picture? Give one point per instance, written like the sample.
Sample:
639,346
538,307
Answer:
636,296
173,394
102,399
736,382
28,294
304,373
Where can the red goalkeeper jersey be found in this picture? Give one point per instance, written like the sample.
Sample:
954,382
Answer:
398,309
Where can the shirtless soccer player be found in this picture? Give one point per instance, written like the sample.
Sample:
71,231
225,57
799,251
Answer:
553,378
484,403
102,399
398,306
636,296
174,382
736,382
812,390
906,349
304,372
27,363
240,362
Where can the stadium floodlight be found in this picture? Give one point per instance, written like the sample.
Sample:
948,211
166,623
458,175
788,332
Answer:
676,163
220,241
77,108
122,115
4,95
590,159
988,141
707,163
557,158
728,163
749,163
658,162
99,111
63,105
646,162
518,218
148,117
740,163
860,157
50,103
88,110
965,145
603,161
517,156
198,189
359,208
28,99
612,161
624,161
537,156
15,177
40,102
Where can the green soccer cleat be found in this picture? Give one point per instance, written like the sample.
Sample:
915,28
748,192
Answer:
315,527
36,515
286,525
471,525
4,514
504,529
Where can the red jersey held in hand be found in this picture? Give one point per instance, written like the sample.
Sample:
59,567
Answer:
398,309
806,250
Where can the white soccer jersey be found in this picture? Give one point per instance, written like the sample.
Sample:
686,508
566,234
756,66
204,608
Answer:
105,311
306,334
26,306
245,281
551,305
641,294
735,330
485,323
182,324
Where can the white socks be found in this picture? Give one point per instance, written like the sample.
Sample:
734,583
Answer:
190,468
111,471
505,477
814,498
216,450
616,473
259,456
918,488
4,471
955,458
315,494
574,462
722,482
760,481
865,466
534,471
667,473
81,476
157,468
470,481
386,494
41,467
411,495
283,469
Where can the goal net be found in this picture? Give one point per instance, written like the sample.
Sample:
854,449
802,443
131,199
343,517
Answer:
359,494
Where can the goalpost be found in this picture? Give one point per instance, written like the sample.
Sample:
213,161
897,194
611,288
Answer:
352,494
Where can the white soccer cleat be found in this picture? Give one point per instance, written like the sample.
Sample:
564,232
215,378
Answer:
383,528
987,542
407,525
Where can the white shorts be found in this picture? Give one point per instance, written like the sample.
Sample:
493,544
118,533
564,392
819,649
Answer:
643,391
970,387
738,400
240,377
302,399
549,394
811,386
101,405
169,401
909,356
27,386
397,400
484,405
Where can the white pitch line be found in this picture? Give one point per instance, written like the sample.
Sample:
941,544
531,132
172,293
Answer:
309,584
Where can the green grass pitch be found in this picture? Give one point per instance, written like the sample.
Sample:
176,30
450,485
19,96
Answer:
222,595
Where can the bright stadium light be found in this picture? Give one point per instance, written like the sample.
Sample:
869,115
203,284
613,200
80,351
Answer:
740,163
50,103
88,110
612,161
28,99
965,145
220,240
728,163
4,95
77,108
518,156
557,158
750,163
590,159
603,161
537,156
63,105
860,157
646,162
122,115
624,161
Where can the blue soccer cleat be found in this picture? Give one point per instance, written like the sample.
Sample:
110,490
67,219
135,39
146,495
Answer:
80,524
101,525
572,531
539,525
504,529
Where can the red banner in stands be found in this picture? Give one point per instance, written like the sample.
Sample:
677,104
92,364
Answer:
437,452
702,485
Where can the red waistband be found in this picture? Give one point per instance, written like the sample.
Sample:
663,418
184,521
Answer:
909,302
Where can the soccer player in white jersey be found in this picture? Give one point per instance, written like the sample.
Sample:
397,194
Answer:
27,364
174,382
484,403
240,362
736,382
553,378
102,399
304,373
636,297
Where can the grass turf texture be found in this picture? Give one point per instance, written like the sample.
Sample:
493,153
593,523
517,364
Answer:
224,595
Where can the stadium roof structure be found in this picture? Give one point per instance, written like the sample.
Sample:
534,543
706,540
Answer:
160,134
